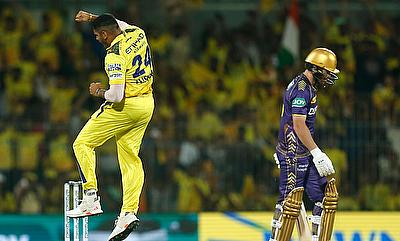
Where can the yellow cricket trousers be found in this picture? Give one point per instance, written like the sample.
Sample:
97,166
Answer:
127,121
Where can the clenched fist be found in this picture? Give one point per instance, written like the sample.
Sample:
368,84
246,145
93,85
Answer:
83,16
96,89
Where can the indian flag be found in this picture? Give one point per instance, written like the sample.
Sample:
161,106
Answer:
289,53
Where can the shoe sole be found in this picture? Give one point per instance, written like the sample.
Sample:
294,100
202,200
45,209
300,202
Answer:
85,215
124,234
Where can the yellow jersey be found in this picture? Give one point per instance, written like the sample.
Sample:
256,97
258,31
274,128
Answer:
128,61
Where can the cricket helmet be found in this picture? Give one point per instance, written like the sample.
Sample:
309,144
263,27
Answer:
322,63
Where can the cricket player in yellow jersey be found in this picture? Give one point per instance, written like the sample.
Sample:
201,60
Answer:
127,111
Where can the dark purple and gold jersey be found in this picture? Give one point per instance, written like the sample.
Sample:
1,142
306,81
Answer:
300,98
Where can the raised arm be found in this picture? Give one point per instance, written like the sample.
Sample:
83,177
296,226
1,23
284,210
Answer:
83,16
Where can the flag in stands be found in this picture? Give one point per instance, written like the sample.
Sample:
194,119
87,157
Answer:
290,37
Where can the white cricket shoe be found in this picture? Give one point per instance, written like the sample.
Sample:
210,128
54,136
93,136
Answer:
89,206
124,225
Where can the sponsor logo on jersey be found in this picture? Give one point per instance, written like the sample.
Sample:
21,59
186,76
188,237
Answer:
143,79
117,75
135,44
113,67
298,102
313,111
302,167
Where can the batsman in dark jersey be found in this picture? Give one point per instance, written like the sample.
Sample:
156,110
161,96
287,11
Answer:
303,166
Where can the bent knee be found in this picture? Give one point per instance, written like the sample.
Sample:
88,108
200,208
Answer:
78,144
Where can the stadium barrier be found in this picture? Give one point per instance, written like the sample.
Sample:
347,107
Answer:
255,226
208,226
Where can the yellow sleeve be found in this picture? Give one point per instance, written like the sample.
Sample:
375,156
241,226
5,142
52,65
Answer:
115,66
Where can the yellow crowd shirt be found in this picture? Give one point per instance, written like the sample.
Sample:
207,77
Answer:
128,61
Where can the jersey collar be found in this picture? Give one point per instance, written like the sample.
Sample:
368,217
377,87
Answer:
308,81
116,40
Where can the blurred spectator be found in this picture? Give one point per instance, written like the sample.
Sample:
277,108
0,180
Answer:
28,194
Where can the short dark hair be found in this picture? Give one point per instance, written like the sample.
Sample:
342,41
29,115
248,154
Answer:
104,20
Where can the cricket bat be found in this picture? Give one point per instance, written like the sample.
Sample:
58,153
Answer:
303,229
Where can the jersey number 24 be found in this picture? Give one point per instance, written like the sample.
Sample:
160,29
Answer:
138,60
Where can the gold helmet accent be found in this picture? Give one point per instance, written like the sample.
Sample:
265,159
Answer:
322,63
323,58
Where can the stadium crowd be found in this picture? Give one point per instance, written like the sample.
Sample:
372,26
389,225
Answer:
218,98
